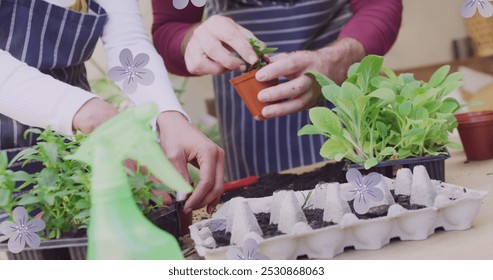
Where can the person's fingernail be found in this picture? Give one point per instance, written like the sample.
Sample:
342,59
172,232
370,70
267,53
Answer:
260,76
187,210
267,112
243,68
263,96
252,59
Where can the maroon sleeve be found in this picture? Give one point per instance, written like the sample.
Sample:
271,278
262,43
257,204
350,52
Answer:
375,24
168,29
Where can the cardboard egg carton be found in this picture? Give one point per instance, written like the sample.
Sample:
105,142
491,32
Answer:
448,206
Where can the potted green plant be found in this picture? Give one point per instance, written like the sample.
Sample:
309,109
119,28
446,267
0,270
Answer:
383,120
59,192
247,86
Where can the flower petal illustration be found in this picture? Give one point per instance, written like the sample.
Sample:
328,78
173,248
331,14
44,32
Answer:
20,216
32,240
141,60
372,179
360,206
374,194
235,254
250,248
348,192
144,76
468,8
129,85
16,243
353,175
485,8
126,58
180,4
8,228
117,73
35,225
199,3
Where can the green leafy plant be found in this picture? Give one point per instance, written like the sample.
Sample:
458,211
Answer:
383,117
61,190
261,51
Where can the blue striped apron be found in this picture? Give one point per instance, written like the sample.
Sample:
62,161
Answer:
253,147
53,39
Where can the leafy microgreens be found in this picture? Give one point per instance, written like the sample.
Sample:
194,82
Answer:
382,117
261,51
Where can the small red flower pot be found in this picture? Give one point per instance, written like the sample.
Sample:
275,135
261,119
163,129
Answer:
476,134
248,88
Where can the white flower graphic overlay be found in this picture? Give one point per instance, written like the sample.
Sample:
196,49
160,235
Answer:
361,189
22,231
182,4
469,8
249,252
132,71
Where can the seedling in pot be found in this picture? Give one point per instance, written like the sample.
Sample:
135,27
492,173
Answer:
247,86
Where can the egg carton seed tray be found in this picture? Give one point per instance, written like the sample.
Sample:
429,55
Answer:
445,205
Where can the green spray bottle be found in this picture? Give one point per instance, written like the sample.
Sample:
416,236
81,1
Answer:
118,229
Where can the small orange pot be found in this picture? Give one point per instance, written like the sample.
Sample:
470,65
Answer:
476,134
248,88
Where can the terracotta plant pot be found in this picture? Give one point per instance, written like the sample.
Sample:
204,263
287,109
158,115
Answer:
248,88
476,134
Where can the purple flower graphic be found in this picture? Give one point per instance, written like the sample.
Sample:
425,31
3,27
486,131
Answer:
22,231
181,4
469,8
250,252
132,71
361,189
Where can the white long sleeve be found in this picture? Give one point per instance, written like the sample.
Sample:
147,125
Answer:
124,29
36,99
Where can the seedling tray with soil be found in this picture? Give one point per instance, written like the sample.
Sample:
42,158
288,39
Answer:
318,224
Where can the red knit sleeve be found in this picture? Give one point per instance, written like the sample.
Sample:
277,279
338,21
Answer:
375,24
168,29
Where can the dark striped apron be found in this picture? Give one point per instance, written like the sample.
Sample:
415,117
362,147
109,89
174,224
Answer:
53,39
253,147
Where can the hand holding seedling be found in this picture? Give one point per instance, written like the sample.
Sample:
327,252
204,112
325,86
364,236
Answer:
301,92
209,47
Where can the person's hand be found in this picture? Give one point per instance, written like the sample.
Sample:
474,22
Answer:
183,144
208,47
93,113
302,92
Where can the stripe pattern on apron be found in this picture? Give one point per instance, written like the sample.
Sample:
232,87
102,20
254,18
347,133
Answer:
53,39
253,147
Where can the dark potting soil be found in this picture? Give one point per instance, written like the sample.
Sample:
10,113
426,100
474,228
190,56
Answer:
269,183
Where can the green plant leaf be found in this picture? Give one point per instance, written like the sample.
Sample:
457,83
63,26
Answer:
22,176
405,108
449,105
369,67
454,145
4,161
28,199
331,93
332,147
4,196
439,76
369,163
353,69
321,79
385,94
51,151
388,151
309,129
325,120
82,204
47,178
